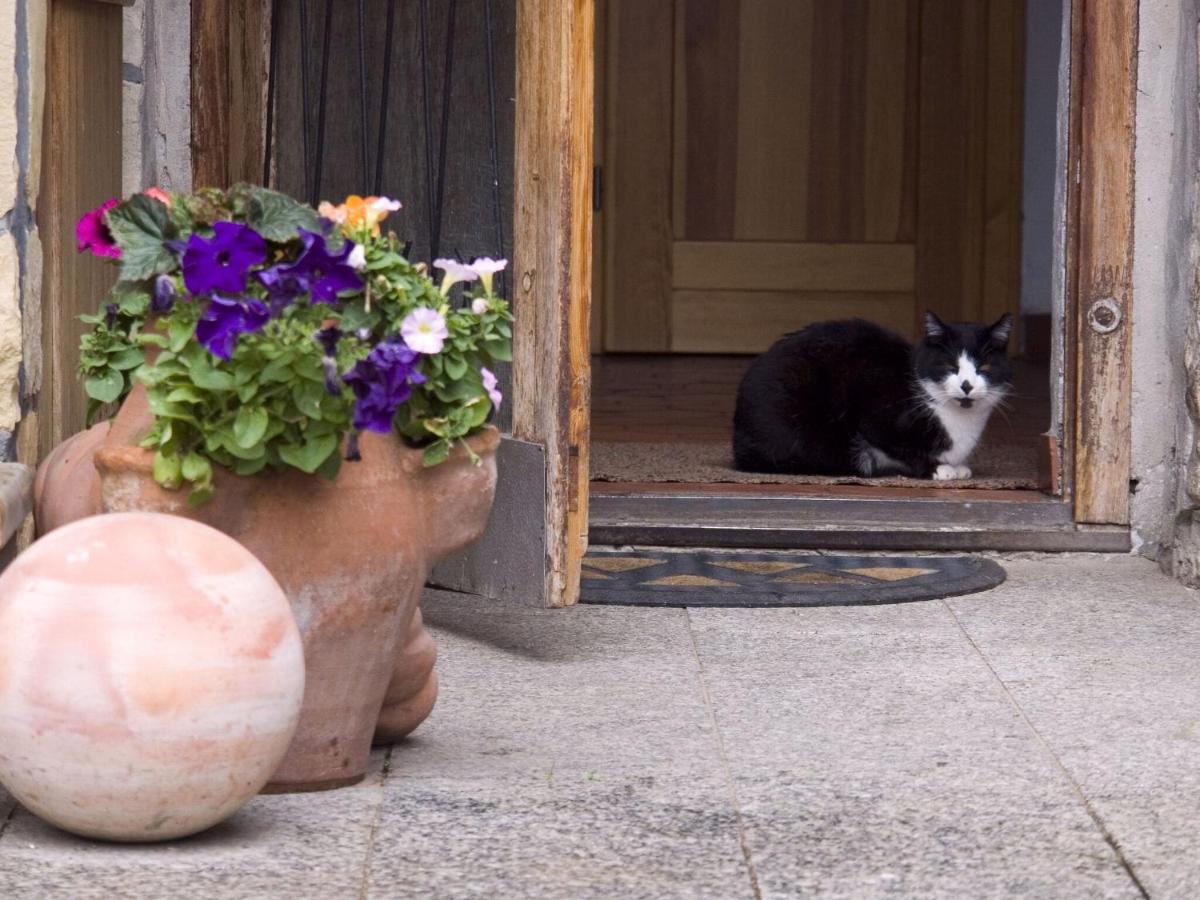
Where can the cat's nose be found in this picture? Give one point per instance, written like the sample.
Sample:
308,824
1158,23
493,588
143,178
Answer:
967,387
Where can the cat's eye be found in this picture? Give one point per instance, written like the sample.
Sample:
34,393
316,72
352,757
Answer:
985,368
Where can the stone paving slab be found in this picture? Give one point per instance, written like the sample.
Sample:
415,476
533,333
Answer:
886,760
285,847
571,755
1104,661
1018,742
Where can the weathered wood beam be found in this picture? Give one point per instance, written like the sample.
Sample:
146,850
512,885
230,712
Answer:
553,272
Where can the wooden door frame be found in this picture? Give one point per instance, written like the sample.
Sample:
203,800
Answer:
1098,308
1091,462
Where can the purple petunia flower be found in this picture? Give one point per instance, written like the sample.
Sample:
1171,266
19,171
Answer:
225,320
91,232
163,297
328,339
381,383
317,272
219,264
282,285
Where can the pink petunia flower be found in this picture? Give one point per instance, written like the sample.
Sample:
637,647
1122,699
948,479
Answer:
480,305
424,330
91,232
490,385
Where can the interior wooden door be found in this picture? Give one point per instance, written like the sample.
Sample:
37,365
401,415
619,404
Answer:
770,163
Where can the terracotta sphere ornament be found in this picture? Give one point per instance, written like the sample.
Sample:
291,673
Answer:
151,677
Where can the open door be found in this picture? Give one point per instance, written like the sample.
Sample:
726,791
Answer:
424,117
772,163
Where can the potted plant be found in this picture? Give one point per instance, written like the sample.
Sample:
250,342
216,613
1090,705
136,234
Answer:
286,375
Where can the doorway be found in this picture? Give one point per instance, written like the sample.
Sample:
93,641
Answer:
766,164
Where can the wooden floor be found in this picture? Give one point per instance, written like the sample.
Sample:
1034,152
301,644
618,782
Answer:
690,399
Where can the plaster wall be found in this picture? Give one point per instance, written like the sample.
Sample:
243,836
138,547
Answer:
1163,268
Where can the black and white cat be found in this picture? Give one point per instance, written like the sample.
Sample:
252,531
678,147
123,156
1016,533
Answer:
852,398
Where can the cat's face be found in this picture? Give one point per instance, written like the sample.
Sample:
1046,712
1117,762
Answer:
963,365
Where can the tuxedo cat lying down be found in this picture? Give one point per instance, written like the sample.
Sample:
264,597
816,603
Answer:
852,398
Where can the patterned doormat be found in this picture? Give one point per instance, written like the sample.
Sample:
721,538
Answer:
687,577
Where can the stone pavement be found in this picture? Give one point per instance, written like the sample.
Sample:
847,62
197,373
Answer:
1040,740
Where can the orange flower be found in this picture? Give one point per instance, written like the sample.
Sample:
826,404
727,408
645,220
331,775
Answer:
158,194
359,212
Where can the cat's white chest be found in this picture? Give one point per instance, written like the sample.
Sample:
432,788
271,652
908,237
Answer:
964,428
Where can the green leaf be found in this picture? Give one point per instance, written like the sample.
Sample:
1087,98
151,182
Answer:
132,298
196,468
436,453
498,349
249,426
129,358
168,470
105,387
180,333
210,379
200,496
152,339
185,393
456,367
250,466
278,370
330,468
311,454
278,217
308,397
140,226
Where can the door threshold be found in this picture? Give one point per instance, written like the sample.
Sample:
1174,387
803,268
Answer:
868,518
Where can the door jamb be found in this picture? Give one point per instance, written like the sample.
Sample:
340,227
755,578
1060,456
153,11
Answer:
1098,309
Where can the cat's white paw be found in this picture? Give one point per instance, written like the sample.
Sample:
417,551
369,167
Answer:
946,472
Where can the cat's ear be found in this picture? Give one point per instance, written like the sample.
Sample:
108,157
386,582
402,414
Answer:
999,332
935,328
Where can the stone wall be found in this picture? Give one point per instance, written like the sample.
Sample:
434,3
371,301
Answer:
22,80
157,93
1166,336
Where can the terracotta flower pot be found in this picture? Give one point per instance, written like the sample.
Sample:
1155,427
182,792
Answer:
352,555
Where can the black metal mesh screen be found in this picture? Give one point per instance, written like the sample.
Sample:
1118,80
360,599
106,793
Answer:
411,99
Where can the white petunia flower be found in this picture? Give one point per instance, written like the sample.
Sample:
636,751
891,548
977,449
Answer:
424,330
454,273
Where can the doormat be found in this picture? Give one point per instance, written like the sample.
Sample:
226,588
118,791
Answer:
687,577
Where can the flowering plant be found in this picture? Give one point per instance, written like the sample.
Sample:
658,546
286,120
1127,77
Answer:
282,332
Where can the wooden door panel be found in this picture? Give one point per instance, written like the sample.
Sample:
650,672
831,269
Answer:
856,146
791,121
638,166
762,266
730,321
